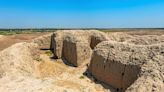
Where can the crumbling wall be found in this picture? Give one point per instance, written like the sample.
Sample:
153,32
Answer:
121,64
97,37
44,42
130,74
76,52
146,84
119,36
52,43
114,73
75,45
146,40
70,52
109,65
57,43
134,38
76,49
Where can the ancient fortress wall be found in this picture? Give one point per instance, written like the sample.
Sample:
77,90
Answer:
77,52
118,59
44,42
110,64
128,63
76,46
121,64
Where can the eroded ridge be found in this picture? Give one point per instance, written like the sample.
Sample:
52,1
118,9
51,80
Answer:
122,65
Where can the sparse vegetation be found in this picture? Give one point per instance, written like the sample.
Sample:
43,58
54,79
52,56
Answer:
37,58
23,31
49,53
82,77
15,32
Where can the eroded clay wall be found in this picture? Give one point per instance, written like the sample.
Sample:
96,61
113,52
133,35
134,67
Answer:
130,75
57,44
44,42
95,41
75,46
109,66
76,52
70,52
83,52
96,38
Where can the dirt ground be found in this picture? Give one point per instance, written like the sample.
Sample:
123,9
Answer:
8,40
66,76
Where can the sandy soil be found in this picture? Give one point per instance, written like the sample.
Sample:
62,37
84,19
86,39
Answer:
8,40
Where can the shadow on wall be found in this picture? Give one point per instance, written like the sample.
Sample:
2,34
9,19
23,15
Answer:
117,75
109,66
75,46
88,74
52,43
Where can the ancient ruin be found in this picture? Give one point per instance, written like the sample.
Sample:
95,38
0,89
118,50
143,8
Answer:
121,64
119,61
125,62
75,46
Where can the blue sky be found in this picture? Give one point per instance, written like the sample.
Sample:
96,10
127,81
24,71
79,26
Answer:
81,13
